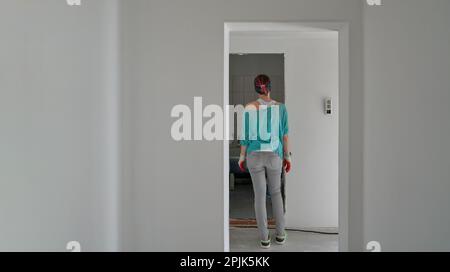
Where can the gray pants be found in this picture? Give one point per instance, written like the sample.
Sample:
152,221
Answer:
259,164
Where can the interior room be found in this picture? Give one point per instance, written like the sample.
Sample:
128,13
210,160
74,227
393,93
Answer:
243,70
303,66
87,154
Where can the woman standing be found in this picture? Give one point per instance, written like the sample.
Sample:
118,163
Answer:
264,146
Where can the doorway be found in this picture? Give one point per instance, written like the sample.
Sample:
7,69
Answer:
319,156
243,70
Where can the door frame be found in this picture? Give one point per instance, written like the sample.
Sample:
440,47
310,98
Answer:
344,89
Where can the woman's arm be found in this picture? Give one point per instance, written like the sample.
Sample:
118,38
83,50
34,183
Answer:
243,150
242,157
286,153
286,145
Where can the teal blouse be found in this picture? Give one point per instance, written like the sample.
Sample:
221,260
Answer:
263,129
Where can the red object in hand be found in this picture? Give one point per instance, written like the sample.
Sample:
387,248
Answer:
287,165
241,166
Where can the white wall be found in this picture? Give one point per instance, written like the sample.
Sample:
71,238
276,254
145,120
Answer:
312,74
59,81
59,74
173,51
58,116
407,125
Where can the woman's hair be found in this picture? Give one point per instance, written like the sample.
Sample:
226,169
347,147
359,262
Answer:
263,84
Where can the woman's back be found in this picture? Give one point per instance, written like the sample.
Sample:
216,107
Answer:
264,125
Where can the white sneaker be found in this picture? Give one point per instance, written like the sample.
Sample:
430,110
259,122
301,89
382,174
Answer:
265,244
281,239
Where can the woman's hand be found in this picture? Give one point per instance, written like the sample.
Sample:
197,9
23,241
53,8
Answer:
287,162
241,162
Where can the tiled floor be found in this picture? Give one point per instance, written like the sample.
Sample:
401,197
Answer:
242,240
